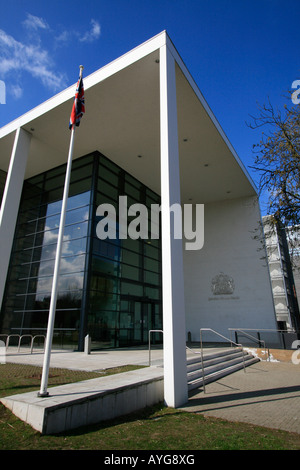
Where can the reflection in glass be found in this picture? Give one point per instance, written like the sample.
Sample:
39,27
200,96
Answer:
110,289
28,293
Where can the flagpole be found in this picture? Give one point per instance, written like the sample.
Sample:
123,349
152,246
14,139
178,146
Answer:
45,374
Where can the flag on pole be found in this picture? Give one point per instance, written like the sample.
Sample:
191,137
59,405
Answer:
76,114
78,107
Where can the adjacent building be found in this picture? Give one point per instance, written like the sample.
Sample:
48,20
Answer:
293,241
282,275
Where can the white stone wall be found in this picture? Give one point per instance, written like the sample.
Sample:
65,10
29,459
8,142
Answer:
229,248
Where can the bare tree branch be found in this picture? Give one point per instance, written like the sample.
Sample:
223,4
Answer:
277,160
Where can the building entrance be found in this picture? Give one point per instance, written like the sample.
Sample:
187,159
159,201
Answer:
137,317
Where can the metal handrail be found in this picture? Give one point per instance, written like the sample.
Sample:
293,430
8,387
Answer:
221,336
8,338
252,337
268,330
192,351
149,341
20,339
33,338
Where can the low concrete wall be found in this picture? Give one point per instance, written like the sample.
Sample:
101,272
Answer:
89,402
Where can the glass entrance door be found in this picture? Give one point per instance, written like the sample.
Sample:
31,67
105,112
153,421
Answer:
137,317
143,320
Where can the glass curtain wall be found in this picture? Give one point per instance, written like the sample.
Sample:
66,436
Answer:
125,279
28,290
109,289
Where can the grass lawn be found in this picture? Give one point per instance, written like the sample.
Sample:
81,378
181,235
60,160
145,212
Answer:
155,428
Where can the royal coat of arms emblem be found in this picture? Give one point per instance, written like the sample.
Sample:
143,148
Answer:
222,284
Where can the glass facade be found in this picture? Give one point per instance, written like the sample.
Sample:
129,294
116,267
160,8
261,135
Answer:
125,284
109,289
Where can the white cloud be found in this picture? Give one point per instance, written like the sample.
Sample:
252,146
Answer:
63,37
34,22
67,36
16,91
30,56
16,56
93,33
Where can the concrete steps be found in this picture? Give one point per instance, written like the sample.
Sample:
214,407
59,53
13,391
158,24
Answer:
216,365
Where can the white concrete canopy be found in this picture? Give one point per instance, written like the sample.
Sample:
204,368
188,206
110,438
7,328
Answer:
11,200
145,113
122,122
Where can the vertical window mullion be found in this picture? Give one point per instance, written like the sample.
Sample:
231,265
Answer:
89,250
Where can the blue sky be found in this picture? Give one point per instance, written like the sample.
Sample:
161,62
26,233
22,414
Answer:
240,52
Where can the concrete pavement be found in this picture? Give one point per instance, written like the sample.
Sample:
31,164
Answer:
95,361
267,394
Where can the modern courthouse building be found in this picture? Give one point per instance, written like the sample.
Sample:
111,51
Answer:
147,134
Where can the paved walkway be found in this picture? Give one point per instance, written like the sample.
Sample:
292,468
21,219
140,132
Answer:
95,361
267,394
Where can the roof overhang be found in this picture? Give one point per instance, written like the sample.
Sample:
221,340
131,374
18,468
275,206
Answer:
122,121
